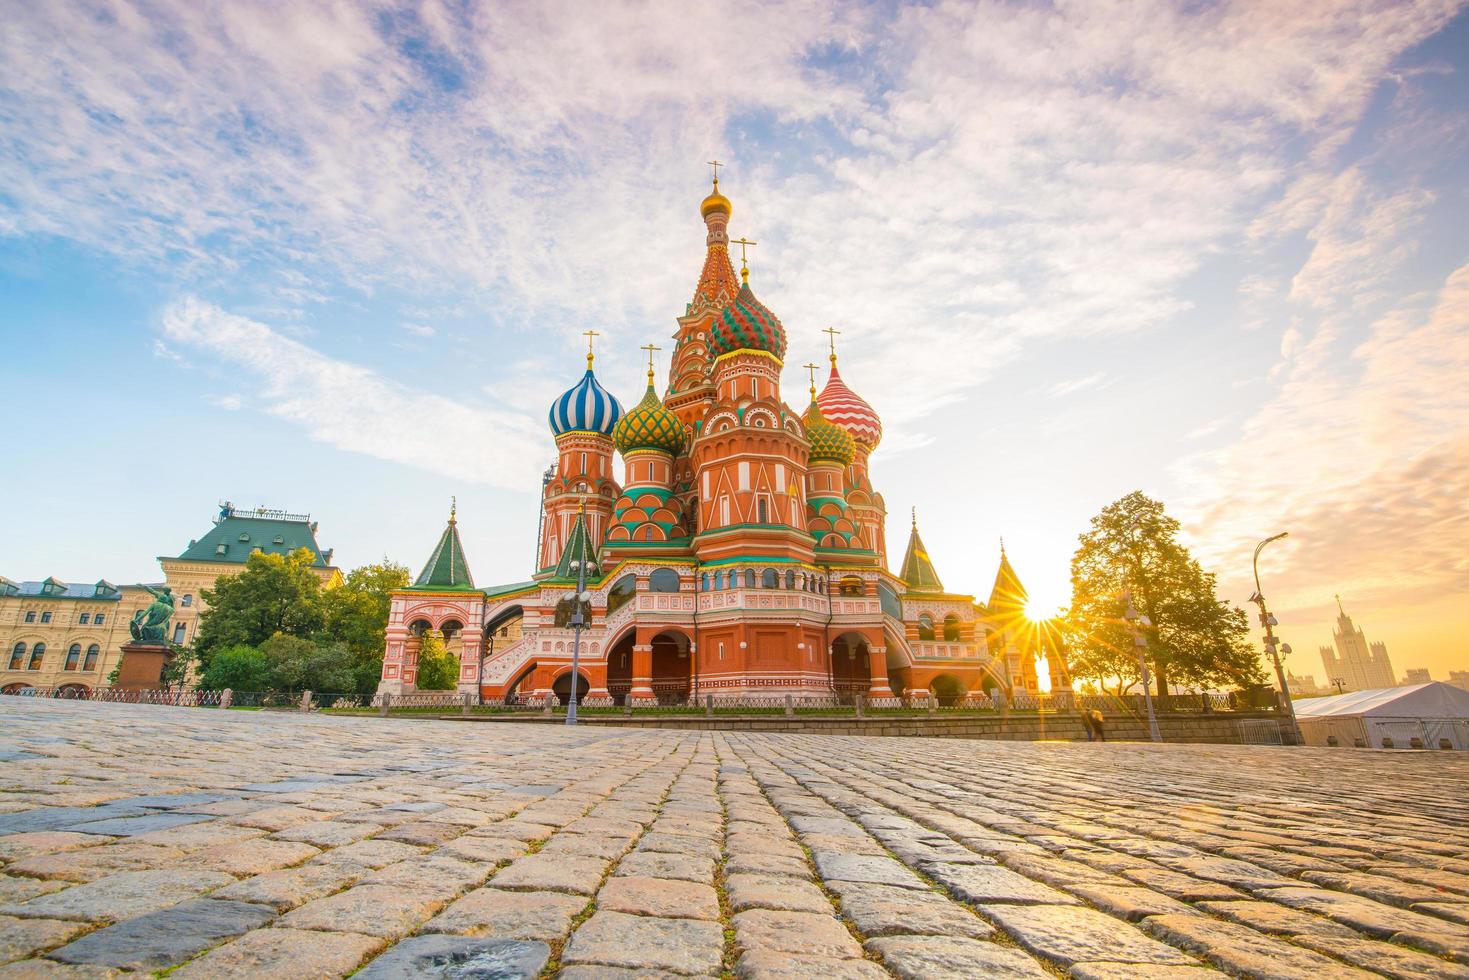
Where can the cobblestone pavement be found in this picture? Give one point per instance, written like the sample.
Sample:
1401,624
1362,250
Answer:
230,844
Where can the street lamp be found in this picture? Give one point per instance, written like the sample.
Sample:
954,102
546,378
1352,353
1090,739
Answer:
1270,622
577,622
1140,643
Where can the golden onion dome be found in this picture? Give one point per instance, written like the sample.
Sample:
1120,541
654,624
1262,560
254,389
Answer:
829,442
714,203
649,425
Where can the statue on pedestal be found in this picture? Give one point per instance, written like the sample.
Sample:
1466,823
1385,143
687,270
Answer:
150,625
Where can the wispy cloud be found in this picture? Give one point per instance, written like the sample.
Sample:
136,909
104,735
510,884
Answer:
419,329
1063,388
356,409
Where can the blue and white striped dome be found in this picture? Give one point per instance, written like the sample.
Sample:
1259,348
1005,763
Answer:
587,407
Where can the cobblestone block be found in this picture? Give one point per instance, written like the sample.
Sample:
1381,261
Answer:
162,939
459,957
372,910
1067,935
1241,950
662,897
804,933
510,915
882,910
950,958
681,946
283,954
25,937
121,896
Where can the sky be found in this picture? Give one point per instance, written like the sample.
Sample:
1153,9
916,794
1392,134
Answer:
337,258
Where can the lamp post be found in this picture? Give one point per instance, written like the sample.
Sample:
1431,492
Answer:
1140,643
577,623
1269,622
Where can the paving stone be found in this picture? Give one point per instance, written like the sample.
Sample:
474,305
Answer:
327,833
759,965
980,884
882,910
1181,886
771,865
1241,950
422,832
684,946
1386,958
24,937
369,855
1376,919
15,889
282,954
679,844
944,957
509,915
459,957
1068,934
806,933
662,897
121,896
1130,902
550,872
1140,971
1278,920
253,857
286,889
159,940
16,846
766,892
868,868
372,910
651,864
489,849
442,877
97,862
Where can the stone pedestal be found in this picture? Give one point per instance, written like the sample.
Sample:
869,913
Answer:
142,666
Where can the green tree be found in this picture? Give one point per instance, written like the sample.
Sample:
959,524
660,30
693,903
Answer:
1195,637
303,665
239,669
437,669
274,594
357,616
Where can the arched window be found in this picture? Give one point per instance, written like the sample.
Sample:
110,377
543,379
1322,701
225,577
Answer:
418,627
951,628
73,655
749,578
768,579
925,627
188,600
18,657
888,599
790,579
621,593
705,582
178,634
564,609
93,652
38,656
663,580
451,628
851,585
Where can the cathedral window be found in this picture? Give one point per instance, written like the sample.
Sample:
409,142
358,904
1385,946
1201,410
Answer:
851,586
724,511
663,580
951,628
705,585
749,578
762,509
767,579
790,579
925,627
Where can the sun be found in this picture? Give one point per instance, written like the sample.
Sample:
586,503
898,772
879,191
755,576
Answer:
1044,603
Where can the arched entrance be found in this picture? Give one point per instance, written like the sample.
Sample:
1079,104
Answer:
948,689
16,689
73,692
619,669
516,693
672,667
561,687
851,667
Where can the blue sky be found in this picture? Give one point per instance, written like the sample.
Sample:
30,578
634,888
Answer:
337,258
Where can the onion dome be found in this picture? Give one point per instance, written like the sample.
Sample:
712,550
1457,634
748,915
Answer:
715,203
585,407
649,426
846,408
829,443
746,324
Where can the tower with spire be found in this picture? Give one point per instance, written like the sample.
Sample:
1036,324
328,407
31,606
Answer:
743,553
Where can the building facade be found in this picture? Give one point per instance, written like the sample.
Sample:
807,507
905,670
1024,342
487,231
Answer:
742,553
1354,664
58,635
1416,675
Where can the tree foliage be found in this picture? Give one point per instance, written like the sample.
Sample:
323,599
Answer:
239,669
274,594
437,669
356,616
301,665
1196,639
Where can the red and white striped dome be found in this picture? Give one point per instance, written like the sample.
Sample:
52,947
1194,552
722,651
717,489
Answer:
846,408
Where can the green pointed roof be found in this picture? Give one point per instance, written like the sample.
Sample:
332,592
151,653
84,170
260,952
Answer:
237,532
1008,592
918,570
579,547
447,568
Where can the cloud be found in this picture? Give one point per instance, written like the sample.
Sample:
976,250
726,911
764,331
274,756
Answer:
357,410
1062,388
418,329
230,403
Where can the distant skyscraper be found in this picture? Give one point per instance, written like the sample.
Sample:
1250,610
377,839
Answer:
1416,675
1357,665
1459,678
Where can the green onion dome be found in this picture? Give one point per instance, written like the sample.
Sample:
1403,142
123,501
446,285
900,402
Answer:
829,442
649,426
747,325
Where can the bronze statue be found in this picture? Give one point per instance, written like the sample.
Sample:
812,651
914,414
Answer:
150,625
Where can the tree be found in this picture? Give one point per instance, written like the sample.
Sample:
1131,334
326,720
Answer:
357,616
437,669
239,669
301,665
1195,637
274,594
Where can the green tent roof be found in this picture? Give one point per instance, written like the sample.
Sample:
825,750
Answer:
918,570
447,567
238,532
579,547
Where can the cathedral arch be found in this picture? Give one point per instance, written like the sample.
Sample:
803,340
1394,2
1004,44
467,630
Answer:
663,580
951,628
768,579
947,689
925,627
850,585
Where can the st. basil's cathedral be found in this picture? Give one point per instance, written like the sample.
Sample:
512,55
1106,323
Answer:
742,555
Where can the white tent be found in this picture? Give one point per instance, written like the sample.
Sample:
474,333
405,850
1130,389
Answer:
1433,716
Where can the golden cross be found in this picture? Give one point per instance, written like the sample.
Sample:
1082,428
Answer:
716,165
453,508
811,370
650,348
589,334
743,243
831,333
